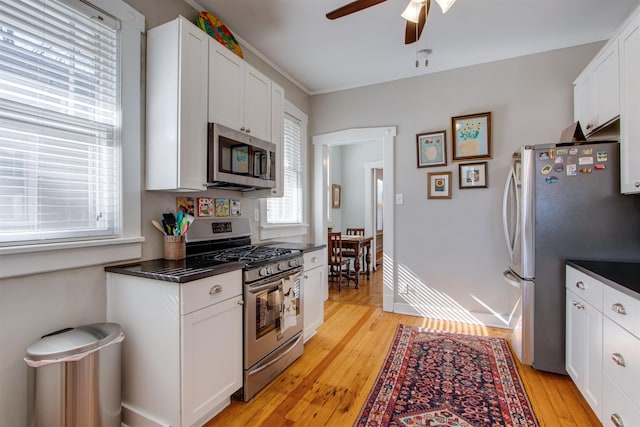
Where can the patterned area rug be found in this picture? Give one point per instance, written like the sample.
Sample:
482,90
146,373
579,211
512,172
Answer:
432,378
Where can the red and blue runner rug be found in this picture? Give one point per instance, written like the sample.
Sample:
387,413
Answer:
433,378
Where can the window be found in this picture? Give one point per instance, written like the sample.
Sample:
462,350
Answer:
69,125
289,210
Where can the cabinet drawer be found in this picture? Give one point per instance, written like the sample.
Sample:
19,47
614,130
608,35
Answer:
585,286
620,345
622,309
617,409
204,292
313,259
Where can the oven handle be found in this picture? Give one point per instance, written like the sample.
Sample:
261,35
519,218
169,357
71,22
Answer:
271,362
257,289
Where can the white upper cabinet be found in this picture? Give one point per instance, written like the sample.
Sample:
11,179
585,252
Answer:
596,91
629,42
239,95
177,72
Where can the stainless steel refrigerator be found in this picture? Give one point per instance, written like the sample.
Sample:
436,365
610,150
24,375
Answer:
561,202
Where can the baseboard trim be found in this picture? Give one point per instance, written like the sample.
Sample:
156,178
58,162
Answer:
474,318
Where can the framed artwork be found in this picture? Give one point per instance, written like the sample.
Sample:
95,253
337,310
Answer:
471,136
473,175
205,206
236,208
185,204
432,149
221,207
336,189
439,185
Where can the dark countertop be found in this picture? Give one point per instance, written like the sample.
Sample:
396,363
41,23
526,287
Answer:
304,247
623,276
178,271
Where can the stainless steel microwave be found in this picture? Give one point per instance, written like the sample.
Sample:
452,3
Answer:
239,161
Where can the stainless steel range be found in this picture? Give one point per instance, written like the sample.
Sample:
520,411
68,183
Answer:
272,295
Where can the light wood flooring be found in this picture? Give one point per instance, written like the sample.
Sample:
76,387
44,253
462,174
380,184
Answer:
329,384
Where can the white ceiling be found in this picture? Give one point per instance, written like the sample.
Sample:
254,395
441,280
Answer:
367,47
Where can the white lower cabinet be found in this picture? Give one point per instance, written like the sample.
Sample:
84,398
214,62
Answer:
315,278
602,349
584,349
182,354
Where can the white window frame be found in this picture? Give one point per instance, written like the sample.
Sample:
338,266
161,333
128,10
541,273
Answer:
272,230
23,259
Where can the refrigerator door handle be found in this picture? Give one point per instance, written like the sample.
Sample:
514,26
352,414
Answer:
511,178
511,279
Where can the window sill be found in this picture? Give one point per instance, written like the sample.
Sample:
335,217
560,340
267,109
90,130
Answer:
268,232
32,259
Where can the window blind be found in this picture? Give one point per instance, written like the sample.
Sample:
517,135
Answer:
288,209
59,97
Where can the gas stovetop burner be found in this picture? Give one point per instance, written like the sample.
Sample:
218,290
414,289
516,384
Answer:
250,255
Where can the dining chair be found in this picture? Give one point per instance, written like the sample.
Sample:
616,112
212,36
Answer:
337,262
349,252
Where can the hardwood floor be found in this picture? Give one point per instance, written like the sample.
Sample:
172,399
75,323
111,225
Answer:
329,384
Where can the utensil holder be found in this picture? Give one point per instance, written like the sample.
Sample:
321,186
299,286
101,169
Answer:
175,247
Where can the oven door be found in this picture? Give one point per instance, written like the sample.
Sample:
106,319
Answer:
273,315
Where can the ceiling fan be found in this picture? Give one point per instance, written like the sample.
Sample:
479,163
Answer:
415,14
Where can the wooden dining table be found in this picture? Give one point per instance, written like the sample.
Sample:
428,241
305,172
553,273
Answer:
361,245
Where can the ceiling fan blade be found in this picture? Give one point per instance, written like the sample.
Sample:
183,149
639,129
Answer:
413,31
352,7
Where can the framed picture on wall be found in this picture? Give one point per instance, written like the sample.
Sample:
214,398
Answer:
439,185
472,175
471,136
336,189
432,149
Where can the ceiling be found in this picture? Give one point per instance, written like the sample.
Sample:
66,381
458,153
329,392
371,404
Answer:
367,47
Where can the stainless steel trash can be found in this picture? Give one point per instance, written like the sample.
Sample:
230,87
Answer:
75,377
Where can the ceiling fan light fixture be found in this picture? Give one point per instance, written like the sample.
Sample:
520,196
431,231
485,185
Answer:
412,12
445,4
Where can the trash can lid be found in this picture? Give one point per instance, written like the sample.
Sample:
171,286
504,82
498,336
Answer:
70,342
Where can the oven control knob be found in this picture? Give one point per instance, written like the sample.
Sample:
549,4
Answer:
263,272
294,263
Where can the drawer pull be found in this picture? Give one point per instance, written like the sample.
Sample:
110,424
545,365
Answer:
617,420
306,276
619,308
241,302
577,305
314,259
617,357
580,285
215,290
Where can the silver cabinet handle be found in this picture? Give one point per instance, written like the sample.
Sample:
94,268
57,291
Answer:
619,308
577,305
241,302
618,359
306,276
215,290
580,285
314,259
248,130
617,420
637,184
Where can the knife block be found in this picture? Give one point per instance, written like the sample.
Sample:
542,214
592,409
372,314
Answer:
175,247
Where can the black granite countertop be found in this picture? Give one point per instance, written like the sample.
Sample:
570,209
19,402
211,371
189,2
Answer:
304,247
178,271
623,276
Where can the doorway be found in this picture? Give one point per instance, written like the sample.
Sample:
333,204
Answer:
321,190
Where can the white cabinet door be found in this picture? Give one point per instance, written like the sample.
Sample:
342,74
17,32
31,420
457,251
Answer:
257,104
584,349
177,72
606,91
313,295
629,45
211,358
239,95
226,86
596,91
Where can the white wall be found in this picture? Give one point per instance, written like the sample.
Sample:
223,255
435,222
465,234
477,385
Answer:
450,254
335,177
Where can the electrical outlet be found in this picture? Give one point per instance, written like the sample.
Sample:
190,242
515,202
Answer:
399,198
256,214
